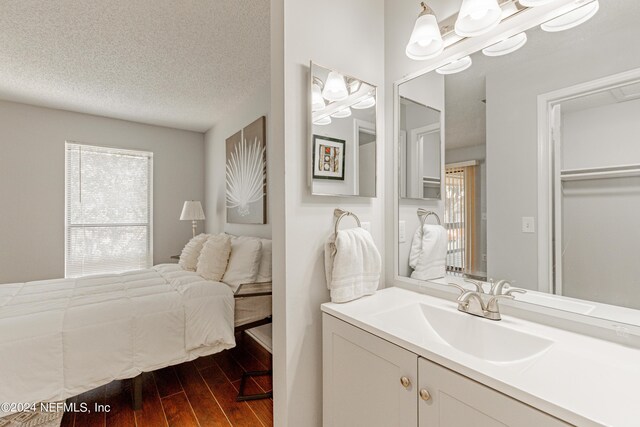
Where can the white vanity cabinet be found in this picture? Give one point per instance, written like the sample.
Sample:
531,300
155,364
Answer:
371,382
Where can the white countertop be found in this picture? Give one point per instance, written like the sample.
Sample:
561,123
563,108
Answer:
581,380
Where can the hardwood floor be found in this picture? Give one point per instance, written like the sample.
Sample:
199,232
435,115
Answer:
197,393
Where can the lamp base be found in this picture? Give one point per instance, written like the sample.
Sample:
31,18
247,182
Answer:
194,225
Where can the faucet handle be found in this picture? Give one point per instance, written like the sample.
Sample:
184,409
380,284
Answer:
458,287
477,284
492,305
512,291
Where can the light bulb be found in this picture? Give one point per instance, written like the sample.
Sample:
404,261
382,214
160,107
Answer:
477,17
478,14
335,89
426,40
317,102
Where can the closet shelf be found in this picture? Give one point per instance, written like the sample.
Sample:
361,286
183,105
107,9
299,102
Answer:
624,171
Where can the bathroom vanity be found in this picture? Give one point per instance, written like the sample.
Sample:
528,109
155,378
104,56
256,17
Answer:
400,358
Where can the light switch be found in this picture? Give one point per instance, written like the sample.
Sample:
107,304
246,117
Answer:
402,232
366,226
528,224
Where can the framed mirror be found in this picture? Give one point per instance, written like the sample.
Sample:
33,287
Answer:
343,140
541,162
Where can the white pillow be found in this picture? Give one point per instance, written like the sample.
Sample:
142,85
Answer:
264,271
191,252
214,257
244,261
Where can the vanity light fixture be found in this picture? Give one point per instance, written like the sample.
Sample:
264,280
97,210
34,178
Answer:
317,102
572,19
368,102
477,17
506,46
335,88
426,40
323,121
455,66
341,114
534,3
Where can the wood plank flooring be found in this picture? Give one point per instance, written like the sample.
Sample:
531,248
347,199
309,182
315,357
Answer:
197,393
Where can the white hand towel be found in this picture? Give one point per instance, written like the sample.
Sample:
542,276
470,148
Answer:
428,255
352,264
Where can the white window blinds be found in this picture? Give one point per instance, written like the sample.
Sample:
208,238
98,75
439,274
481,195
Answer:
108,210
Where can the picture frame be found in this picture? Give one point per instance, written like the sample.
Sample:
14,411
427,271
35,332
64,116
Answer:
328,158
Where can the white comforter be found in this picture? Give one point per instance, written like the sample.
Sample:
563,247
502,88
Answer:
59,338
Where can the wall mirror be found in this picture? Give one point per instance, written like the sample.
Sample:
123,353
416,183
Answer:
541,163
343,138
419,145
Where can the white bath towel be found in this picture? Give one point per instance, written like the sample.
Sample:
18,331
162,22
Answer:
428,254
352,264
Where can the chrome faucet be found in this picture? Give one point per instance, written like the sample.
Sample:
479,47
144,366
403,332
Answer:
471,302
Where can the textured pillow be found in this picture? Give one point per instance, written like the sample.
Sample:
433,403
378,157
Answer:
191,252
264,271
214,257
244,261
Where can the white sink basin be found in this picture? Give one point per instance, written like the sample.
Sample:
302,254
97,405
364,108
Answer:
489,340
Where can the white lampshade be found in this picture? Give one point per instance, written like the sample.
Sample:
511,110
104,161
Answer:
572,19
323,121
455,66
192,211
341,114
506,46
426,40
477,17
317,101
335,88
368,102
534,3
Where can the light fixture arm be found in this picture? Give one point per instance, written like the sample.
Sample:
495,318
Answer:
426,10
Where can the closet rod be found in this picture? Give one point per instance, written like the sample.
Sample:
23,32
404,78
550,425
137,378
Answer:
600,172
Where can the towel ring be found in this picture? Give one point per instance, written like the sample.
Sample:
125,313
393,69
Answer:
423,214
339,214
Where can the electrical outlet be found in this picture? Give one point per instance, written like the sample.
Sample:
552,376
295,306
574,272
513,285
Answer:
484,216
528,224
484,257
402,231
366,226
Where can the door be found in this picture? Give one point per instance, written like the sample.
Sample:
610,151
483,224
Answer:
367,380
454,400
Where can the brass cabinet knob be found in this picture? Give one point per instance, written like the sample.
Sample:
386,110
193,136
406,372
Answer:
406,382
425,395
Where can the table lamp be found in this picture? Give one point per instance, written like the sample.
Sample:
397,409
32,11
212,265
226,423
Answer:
192,211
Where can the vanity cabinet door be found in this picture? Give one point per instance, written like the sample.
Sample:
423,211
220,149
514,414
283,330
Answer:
454,400
363,379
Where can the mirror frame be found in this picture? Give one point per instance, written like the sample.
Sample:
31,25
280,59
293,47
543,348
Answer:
442,146
606,328
310,135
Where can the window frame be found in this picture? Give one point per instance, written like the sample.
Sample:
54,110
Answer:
67,199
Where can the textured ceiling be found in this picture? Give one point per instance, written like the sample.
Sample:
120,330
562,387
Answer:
176,63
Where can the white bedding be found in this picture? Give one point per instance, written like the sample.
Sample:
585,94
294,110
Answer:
59,338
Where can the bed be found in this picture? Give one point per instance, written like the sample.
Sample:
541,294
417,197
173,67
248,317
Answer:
60,338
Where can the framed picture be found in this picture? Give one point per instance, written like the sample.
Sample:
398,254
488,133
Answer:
247,175
328,158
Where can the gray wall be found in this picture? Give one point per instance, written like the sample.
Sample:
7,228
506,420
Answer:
32,189
512,116
215,155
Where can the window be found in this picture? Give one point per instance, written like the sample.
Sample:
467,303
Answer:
108,218
459,217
